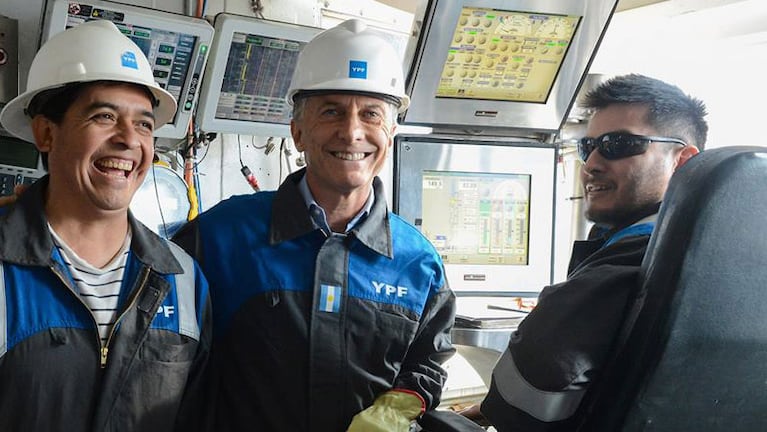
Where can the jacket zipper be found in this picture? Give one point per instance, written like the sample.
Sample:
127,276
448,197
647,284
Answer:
104,349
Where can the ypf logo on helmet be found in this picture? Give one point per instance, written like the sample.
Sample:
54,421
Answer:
349,58
358,69
92,51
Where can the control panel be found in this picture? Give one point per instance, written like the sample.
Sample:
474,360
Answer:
9,181
20,163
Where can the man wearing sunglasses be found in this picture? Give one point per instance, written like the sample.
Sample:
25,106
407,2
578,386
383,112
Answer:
641,131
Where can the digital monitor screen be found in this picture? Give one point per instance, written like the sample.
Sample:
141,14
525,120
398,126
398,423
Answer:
176,46
505,55
248,75
256,79
485,204
500,67
17,153
477,218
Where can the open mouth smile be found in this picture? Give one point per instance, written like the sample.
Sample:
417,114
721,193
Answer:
350,156
115,167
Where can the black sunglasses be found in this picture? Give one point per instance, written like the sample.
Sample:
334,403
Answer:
617,145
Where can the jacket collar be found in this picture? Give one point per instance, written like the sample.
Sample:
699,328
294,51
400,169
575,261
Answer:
25,239
291,219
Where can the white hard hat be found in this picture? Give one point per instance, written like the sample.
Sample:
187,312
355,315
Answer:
350,58
92,51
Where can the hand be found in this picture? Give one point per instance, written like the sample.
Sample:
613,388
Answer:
391,412
474,414
10,199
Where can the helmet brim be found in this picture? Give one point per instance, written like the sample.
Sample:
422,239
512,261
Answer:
15,121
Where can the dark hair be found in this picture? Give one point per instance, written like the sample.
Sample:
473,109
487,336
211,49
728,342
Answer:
669,110
54,103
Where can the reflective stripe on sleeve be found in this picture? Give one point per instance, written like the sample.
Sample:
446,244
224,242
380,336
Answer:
3,315
546,406
186,293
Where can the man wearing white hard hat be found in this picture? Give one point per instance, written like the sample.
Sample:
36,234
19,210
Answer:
103,325
331,313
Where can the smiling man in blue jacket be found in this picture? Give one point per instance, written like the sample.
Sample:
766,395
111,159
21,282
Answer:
104,326
330,312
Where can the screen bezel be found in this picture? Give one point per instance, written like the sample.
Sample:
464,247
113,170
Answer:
226,25
432,49
417,153
56,21
22,171
29,151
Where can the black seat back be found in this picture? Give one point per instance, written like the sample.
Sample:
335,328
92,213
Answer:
695,358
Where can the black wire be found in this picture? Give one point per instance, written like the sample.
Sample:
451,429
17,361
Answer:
282,150
207,149
159,204
239,150
184,149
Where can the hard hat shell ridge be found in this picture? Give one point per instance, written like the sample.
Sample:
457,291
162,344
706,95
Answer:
350,58
92,51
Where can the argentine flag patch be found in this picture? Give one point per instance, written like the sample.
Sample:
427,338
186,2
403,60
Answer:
330,298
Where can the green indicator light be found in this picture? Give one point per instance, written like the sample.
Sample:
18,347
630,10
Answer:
473,32
203,49
490,16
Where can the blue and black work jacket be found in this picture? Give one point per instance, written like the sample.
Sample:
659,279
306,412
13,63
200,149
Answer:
561,347
55,374
310,327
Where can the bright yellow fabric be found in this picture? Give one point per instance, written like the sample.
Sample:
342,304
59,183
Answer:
391,412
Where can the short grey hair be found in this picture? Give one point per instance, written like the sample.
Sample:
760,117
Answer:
299,106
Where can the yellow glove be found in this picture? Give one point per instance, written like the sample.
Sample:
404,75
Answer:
391,412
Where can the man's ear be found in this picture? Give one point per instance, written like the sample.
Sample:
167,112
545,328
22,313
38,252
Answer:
392,133
687,152
295,132
43,131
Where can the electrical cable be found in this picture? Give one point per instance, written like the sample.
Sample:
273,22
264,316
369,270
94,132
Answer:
207,149
282,149
189,162
249,177
257,8
159,203
253,143
196,177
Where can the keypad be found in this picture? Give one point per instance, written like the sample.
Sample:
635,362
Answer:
8,181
